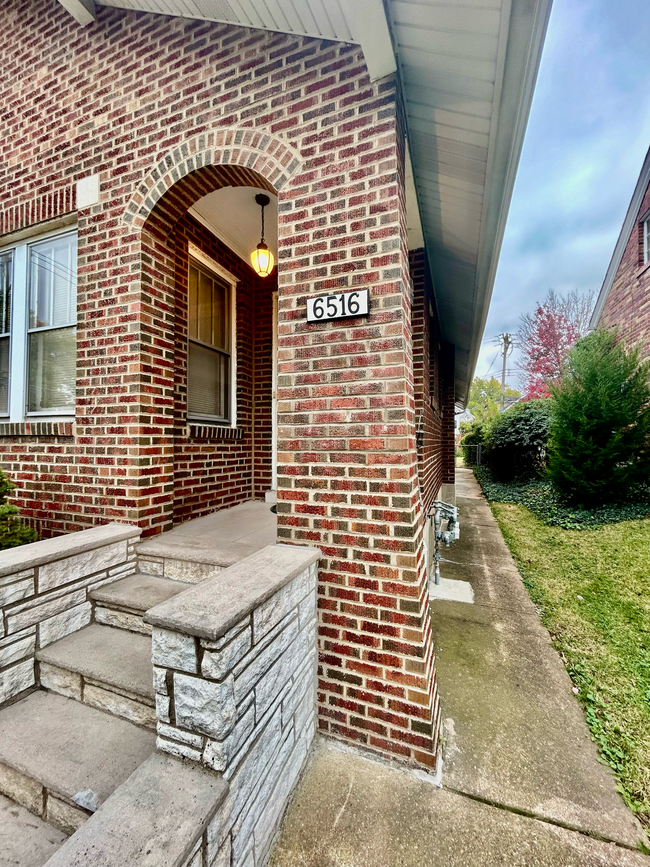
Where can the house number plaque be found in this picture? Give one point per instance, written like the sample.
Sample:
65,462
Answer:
342,305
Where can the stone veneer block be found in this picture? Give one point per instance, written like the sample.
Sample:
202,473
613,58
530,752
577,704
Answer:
203,706
60,547
21,789
51,575
60,680
155,818
121,620
218,754
16,679
268,615
222,858
63,624
180,751
64,816
190,573
16,590
40,611
173,650
183,737
210,609
162,707
216,664
119,705
20,648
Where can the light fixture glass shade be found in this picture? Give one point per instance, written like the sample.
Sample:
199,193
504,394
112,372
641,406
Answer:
262,260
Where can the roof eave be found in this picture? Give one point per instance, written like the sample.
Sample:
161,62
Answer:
526,33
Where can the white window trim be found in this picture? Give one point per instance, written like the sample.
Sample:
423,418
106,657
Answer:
198,254
646,239
18,360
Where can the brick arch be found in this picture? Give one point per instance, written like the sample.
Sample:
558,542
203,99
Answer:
265,157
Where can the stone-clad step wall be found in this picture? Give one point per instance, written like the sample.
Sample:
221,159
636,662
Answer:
45,594
235,677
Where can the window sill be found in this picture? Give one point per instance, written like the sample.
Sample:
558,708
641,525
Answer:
37,429
207,431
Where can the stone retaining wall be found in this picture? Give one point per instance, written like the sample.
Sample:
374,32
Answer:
44,589
235,678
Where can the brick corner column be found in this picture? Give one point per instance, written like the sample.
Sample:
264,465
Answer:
347,459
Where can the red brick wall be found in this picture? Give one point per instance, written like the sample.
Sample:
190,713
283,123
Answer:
153,104
628,303
434,386
448,404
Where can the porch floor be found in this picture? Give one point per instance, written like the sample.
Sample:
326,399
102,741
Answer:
223,537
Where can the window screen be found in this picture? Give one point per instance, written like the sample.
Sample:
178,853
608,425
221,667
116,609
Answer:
209,346
52,325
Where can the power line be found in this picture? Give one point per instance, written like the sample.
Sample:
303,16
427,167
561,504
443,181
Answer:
490,367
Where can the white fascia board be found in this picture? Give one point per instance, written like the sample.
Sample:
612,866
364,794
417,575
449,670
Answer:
367,20
626,230
83,11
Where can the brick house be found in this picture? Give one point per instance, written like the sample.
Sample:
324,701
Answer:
149,375
624,298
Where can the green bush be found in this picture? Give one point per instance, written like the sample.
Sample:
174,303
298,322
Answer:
474,434
13,531
599,449
517,441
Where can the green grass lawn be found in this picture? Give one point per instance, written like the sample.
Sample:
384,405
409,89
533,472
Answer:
593,591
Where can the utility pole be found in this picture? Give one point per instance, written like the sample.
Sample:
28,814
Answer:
506,344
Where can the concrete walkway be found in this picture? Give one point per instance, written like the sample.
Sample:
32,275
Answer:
521,783
515,733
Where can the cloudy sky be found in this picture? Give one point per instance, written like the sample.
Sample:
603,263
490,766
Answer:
588,133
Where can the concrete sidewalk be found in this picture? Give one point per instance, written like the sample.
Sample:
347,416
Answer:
515,733
521,783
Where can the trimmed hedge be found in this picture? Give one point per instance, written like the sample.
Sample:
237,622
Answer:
516,441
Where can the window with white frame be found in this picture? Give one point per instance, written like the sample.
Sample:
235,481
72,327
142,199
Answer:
210,349
6,274
38,316
646,240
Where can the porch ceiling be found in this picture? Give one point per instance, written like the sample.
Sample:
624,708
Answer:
467,70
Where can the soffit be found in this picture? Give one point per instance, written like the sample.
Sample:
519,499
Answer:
467,70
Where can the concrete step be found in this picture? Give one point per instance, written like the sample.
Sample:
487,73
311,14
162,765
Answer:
25,840
156,818
122,603
61,759
106,668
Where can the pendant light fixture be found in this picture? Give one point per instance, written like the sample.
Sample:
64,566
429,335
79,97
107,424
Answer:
262,258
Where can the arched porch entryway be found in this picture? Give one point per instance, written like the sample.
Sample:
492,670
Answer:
207,325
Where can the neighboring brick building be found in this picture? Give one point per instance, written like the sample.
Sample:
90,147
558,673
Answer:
624,299
132,151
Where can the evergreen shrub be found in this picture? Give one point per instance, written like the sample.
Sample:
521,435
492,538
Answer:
517,441
13,531
599,448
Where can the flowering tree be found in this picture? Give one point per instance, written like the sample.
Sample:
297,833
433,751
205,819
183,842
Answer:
547,336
